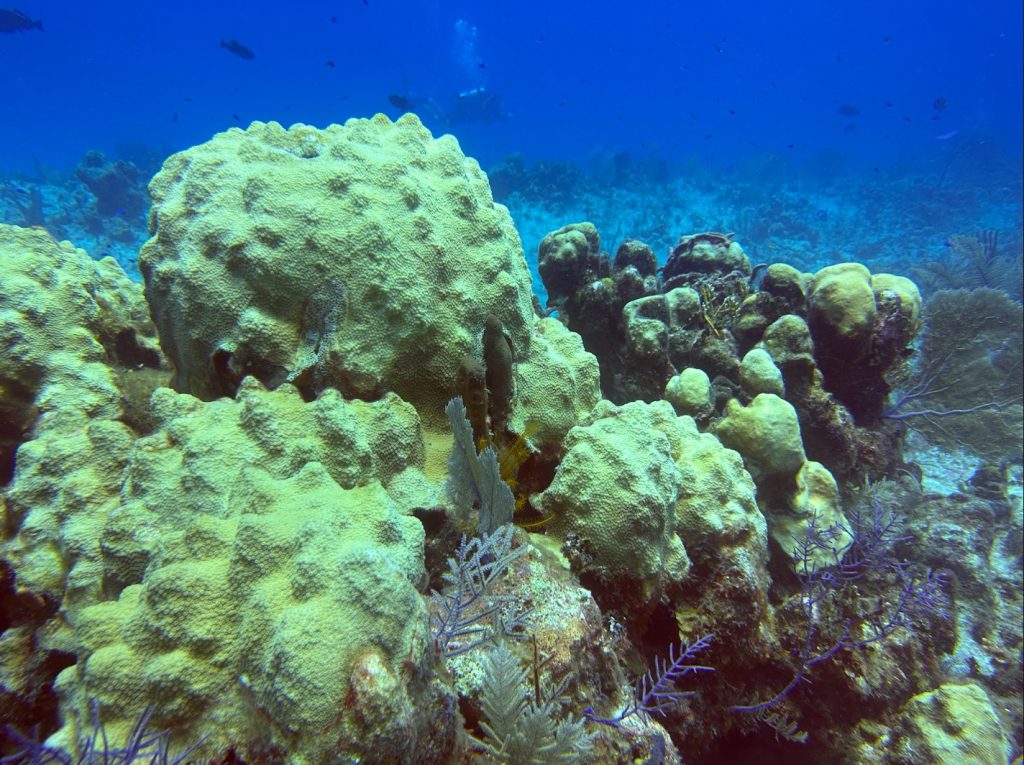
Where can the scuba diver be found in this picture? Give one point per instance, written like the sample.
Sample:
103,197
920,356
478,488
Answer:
477,105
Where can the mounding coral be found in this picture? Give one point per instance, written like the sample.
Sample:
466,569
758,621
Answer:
364,257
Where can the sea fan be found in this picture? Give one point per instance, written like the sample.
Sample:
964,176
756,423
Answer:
467,615
141,747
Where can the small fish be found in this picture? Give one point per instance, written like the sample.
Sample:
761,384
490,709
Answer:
174,117
329,64
848,110
947,136
939,104
334,19
889,104
236,118
233,46
13,20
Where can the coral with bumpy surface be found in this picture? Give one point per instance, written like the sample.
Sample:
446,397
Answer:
363,257
266,517
291,619
767,433
862,324
79,351
556,384
614,497
90,527
67,323
637,484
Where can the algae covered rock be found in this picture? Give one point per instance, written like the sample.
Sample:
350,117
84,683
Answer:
725,536
953,725
704,253
568,257
815,497
788,341
363,257
787,283
843,300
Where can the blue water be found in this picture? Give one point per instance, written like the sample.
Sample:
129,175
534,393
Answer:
676,80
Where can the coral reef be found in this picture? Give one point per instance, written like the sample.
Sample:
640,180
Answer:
118,186
296,552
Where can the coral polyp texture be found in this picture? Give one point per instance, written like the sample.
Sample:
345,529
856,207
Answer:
363,257
290,618
235,514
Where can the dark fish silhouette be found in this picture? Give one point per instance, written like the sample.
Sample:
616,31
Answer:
400,102
329,64
238,49
849,110
13,20
940,103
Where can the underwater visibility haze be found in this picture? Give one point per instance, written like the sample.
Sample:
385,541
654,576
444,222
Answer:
446,382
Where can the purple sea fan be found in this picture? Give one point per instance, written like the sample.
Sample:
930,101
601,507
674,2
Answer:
655,692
